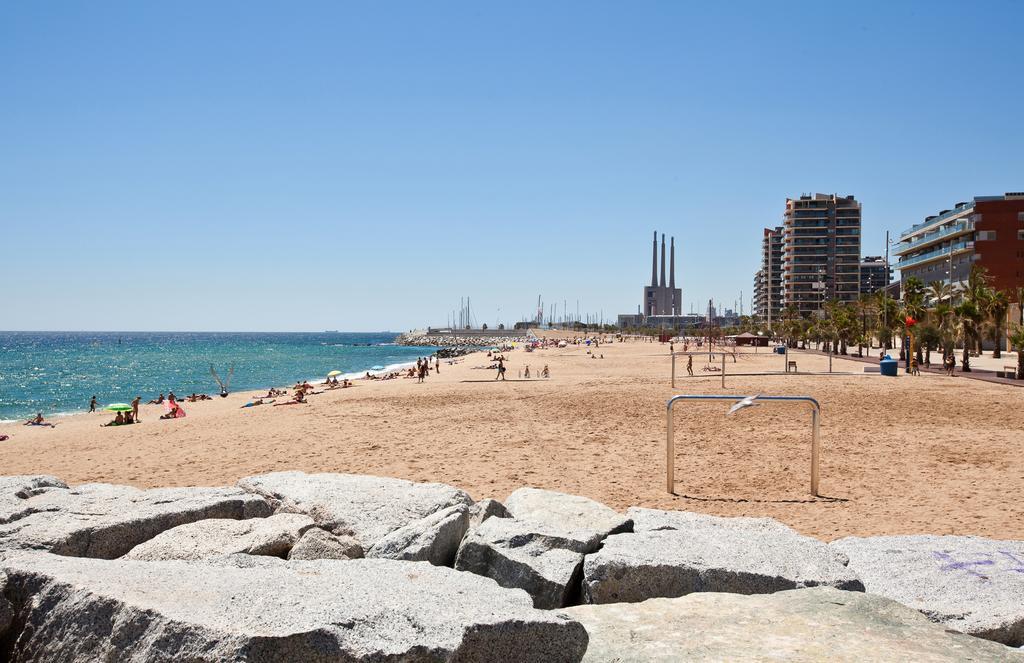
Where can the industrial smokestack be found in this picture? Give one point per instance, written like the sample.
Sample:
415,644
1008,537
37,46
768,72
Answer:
654,261
672,277
662,284
672,266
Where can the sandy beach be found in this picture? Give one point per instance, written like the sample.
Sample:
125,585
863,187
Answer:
926,454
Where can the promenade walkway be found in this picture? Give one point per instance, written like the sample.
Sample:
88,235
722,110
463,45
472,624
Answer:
982,368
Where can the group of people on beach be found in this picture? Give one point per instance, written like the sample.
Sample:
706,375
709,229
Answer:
302,390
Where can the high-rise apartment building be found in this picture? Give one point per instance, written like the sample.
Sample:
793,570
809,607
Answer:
875,274
821,254
767,301
987,231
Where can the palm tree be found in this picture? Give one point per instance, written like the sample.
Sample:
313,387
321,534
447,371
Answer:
970,319
861,308
913,309
995,304
948,325
938,292
1017,338
888,311
976,291
930,338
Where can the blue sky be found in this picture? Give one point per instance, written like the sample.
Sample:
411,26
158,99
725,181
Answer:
309,166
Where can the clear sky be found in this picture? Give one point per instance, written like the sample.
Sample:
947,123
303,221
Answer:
308,166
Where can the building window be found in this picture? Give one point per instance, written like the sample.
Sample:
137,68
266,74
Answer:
1020,216
987,235
1020,234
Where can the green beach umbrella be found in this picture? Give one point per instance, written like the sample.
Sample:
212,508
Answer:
119,407
333,373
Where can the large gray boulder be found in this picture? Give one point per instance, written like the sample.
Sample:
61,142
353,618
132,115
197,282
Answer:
433,539
274,536
268,610
702,553
106,521
528,555
568,513
966,583
803,625
484,509
367,508
318,543
16,491
6,611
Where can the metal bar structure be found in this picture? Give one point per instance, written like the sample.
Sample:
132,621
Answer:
670,444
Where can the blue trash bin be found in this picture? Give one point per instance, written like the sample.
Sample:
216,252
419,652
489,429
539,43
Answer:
889,366
780,349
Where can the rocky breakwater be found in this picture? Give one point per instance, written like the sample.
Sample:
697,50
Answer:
291,566
463,342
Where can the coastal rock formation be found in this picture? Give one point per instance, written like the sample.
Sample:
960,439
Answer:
967,583
289,566
467,341
531,556
485,509
274,536
803,625
275,610
317,543
364,507
708,554
106,521
15,492
568,513
6,611
433,539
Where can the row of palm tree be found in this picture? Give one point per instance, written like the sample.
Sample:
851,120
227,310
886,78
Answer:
936,316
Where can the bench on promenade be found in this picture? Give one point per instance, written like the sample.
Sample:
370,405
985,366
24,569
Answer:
1008,372
791,366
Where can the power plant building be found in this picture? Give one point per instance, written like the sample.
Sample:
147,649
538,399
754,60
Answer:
659,298
662,303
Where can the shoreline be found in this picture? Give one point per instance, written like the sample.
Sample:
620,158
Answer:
56,373
925,454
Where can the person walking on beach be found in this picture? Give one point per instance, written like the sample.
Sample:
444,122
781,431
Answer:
135,408
92,404
501,369
527,372
689,364
437,364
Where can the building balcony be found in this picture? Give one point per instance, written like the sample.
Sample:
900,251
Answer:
945,216
935,254
935,236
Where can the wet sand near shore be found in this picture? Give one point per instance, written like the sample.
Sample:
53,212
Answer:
927,454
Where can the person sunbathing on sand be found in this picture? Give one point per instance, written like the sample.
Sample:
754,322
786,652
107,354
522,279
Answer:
258,401
158,400
300,398
38,421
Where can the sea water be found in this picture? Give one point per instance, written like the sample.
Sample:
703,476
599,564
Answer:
58,372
